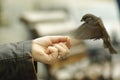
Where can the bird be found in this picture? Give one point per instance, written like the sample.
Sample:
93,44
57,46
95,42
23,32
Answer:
93,28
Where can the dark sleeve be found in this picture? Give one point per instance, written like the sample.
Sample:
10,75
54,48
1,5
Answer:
16,62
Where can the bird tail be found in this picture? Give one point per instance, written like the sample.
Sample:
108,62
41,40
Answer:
112,50
108,45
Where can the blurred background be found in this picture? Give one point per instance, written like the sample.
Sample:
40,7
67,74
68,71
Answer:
88,60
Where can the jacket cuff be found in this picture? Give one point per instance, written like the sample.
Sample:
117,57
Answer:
27,47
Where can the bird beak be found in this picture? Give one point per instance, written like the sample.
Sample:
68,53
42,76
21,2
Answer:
81,20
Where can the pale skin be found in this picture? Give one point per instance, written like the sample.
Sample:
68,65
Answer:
47,49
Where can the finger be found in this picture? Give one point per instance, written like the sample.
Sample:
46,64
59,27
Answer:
62,49
53,52
68,43
53,56
57,39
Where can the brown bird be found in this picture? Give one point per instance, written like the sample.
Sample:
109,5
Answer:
93,28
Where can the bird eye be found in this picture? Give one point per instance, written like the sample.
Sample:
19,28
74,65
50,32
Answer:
89,18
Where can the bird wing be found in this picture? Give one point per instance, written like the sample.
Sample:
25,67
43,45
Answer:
87,31
100,22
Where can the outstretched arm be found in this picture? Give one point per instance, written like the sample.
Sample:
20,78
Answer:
16,59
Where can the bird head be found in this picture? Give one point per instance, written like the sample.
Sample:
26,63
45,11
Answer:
89,17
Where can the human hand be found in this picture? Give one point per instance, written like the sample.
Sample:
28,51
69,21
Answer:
47,49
